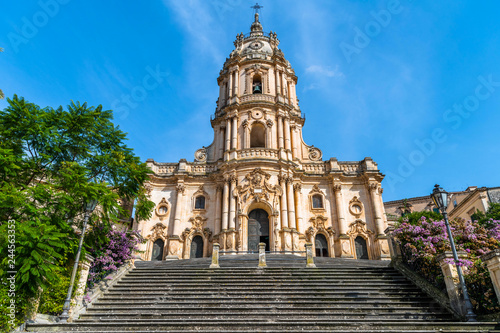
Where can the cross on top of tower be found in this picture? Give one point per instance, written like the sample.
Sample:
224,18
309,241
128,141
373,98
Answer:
257,7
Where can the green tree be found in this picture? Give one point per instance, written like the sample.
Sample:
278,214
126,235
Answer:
51,162
415,217
493,213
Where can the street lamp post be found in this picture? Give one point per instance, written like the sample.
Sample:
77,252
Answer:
440,198
89,208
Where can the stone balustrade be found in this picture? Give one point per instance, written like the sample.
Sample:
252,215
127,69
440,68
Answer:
257,97
258,153
350,167
315,168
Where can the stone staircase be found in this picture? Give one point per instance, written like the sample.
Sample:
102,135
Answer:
337,296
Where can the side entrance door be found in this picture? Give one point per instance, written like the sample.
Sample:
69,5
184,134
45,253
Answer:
258,229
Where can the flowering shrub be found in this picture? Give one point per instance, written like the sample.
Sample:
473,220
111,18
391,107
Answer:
421,243
114,252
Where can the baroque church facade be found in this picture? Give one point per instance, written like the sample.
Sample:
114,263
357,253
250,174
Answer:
259,182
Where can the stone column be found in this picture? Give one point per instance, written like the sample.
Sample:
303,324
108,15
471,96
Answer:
345,241
218,209
451,280
221,142
284,205
295,143
225,214
234,140
176,230
269,132
84,268
232,214
283,82
394,248
278,87
215,256
288,146
297,189
280,132
337,188
309,256
236,82
228,134
244,144
262,255
379,223
291,203
492,260
225,206
230,86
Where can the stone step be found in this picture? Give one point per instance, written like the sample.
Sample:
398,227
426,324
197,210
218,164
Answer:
220,325
277,307
268,291
214,303
262,315
263,297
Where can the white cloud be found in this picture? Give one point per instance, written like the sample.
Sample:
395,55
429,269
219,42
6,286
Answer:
325,71
196,18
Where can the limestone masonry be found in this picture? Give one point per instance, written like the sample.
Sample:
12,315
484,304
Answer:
259,182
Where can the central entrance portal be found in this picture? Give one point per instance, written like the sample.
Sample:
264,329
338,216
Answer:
258,229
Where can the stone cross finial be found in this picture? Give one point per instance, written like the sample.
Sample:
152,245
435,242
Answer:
257,7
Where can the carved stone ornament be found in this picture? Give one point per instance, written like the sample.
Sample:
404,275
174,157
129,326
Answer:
315,190
356,207
256,45
180,188
162,209
158,231
197,223
269,123
319,225
358,227
315,154
208,234
148,188
257,114
256,187
201,155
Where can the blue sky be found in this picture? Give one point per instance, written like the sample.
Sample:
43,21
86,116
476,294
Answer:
413,84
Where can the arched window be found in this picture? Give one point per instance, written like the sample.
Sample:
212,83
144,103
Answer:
258,136
317,201
257,85
199,202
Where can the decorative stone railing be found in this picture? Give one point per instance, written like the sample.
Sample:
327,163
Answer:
258,153
201,168
315,168
350,167
162,168
98,291
257,97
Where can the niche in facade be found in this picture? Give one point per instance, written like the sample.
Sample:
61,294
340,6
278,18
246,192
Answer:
258,136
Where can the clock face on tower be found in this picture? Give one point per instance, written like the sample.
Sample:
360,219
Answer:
256,45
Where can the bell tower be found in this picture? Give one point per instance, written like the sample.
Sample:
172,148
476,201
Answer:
257,105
